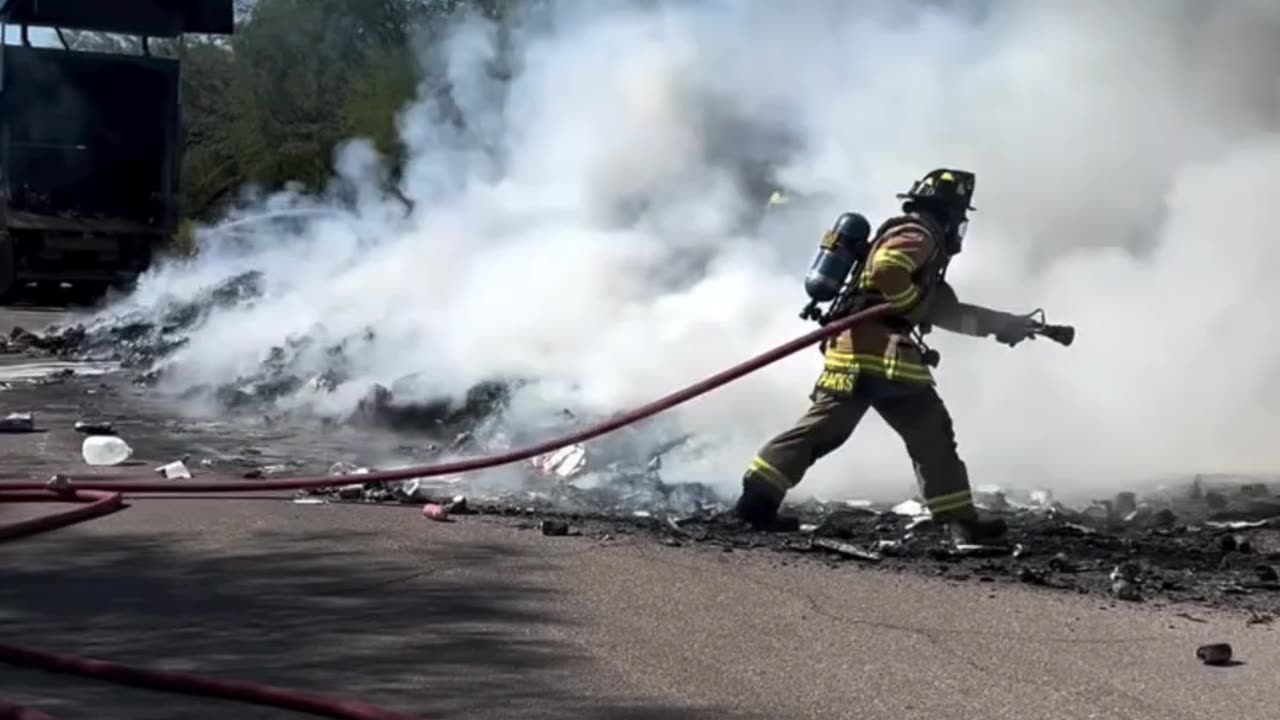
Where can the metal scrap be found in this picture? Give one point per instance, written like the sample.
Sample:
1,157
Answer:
94,428
18,422
845,549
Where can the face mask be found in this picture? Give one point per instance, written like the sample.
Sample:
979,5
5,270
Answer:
957,238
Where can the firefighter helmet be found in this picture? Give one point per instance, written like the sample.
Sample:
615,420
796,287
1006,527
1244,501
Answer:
952,189
948,193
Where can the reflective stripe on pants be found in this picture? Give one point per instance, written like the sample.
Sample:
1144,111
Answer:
916,413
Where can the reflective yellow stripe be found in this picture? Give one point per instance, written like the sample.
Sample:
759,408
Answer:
838,381
950,502
891,369
906,298
775,477
896,258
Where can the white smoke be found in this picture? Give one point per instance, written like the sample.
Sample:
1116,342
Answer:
585,229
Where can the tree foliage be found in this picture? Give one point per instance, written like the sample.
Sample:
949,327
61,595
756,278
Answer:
268,105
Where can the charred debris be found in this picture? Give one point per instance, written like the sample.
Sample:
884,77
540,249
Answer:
142,339
1219,547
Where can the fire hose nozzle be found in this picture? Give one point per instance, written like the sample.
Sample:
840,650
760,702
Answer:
1062,334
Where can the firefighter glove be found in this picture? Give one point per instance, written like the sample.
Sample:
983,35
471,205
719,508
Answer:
1013,329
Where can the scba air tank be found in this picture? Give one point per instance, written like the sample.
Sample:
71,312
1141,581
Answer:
842,246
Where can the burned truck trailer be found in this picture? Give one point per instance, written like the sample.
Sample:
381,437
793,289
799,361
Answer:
90,142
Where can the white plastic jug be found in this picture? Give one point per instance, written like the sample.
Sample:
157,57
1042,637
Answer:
105,450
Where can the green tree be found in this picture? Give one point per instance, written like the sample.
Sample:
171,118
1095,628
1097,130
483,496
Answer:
269,106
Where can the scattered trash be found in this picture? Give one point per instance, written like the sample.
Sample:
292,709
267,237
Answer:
910,508
310,501
94,428
351,492
457,505
1125,571
565,463
105,450
1042,499
59,483
845,549
1236,543
342,468
1215,654
1032,577
18,422
1126,590
1080,529
176,470
1243,524
974,550
555,528
889,547
1062,563
435,511
409,490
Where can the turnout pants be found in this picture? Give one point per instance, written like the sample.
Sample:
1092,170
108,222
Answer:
916,413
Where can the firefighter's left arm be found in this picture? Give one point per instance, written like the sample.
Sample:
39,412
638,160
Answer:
947,312
892,265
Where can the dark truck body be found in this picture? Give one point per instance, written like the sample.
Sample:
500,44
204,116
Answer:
91,143
89,159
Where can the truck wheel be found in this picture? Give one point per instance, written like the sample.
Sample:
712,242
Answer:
8,271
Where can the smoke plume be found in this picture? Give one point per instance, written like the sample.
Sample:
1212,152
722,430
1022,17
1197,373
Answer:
588,227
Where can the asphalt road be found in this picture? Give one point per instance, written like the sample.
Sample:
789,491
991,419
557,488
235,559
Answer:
31,317
480,619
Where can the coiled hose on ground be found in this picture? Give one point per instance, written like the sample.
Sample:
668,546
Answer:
98,497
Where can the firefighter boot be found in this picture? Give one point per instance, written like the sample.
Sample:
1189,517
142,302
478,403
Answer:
977,531
758,506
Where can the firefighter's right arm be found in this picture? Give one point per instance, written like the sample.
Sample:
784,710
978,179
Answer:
892,264
947,312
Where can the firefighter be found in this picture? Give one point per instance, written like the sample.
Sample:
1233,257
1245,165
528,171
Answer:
884,365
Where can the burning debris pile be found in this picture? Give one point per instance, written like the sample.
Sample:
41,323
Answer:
143,339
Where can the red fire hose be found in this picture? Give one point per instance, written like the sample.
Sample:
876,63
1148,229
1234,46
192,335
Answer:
104,497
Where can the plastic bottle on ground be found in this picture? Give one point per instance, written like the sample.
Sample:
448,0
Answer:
105,450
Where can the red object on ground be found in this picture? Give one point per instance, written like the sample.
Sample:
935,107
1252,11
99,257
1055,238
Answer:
103,496
98,503
187,684
433,511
